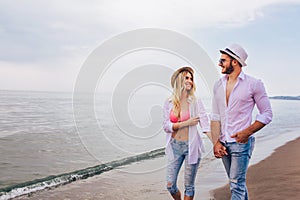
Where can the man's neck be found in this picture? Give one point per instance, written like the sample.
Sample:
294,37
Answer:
235,74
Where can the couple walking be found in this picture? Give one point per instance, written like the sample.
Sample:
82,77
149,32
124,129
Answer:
230,126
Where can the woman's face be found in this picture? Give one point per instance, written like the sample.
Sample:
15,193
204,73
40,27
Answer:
188,81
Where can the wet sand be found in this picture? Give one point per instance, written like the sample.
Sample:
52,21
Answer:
276,177
141,180
135,181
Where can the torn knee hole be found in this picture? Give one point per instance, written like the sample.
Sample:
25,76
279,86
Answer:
233,180
169,184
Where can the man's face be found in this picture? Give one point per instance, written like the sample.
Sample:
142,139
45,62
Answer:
226,63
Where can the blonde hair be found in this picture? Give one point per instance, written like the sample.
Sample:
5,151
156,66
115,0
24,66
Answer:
177,91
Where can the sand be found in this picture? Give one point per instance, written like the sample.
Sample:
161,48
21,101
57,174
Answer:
276,177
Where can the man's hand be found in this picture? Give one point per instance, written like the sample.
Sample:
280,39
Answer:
219,150
241,137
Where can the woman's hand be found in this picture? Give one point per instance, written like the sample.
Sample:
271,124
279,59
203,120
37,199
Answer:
193,121
190,122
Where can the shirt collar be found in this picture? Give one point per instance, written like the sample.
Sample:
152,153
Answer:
241,76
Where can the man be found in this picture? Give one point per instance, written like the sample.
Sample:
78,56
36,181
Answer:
234,97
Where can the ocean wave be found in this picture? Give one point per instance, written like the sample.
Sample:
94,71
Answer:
62,179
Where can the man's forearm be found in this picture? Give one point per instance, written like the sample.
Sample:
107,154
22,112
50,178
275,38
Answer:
256,126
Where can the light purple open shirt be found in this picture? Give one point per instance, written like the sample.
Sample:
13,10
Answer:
237,115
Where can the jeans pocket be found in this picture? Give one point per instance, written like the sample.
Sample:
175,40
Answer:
240,143
245,148
175,148
240,148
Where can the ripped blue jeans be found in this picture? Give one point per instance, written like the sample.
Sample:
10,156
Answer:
180,151
236,164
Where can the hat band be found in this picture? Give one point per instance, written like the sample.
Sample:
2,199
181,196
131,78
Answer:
231,52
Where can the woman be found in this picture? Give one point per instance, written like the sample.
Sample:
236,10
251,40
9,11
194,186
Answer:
182,112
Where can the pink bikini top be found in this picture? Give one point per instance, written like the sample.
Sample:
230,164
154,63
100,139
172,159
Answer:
184,116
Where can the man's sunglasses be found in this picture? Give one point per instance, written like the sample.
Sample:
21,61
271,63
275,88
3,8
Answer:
222,60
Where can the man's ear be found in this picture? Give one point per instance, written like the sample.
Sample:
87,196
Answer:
235,62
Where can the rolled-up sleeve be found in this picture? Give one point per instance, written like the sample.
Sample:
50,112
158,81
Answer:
263,104
204,119
167,124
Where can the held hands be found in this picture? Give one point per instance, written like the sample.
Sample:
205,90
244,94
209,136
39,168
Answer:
241,137
219,150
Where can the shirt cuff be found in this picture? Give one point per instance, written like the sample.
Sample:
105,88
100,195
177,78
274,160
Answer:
215,117
205,130
263,119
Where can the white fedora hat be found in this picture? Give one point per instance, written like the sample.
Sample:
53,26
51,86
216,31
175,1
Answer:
237,52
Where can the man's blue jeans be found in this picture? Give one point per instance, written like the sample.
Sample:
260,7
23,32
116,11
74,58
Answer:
236,164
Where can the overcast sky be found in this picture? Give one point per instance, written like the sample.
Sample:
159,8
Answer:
43,44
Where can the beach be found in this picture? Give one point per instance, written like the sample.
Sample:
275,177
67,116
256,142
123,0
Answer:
276,177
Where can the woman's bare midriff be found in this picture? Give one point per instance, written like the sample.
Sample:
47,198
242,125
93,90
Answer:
182,134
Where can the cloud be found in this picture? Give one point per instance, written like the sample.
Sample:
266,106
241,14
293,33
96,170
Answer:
49,34
37,30
182,14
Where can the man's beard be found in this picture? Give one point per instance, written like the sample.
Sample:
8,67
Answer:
229,70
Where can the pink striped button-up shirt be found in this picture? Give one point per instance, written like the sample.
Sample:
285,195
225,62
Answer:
237,115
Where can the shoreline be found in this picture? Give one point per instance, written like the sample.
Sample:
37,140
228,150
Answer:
276,177
146,180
